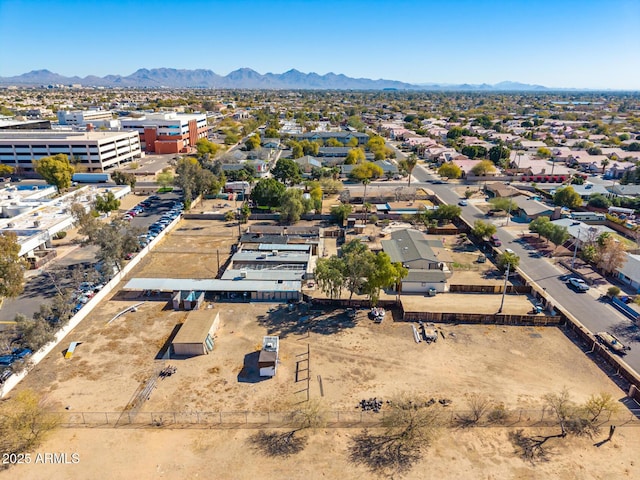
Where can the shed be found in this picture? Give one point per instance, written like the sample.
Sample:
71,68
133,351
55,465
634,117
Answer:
268,359
195,336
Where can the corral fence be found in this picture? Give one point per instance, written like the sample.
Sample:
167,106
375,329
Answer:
334,419
524,289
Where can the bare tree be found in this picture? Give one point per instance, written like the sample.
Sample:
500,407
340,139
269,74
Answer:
408,429
599,404
310,416
478,406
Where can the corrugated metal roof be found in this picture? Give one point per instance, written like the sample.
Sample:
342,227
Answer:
212,285
293,247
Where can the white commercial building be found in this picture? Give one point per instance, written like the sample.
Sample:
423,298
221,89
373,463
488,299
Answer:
82,117
93,151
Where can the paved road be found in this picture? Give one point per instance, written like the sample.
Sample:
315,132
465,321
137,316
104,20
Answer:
595,315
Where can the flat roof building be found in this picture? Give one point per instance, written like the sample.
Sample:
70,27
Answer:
168,132
93,151
82,117
195,336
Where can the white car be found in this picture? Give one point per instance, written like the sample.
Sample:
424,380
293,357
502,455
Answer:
508,250
579,284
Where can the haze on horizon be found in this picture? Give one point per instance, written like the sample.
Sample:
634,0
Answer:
561,44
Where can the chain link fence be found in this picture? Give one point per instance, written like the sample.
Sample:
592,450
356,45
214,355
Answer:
334,419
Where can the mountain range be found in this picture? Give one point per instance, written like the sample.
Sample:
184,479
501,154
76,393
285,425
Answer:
246,78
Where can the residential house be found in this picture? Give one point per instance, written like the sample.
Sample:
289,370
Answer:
629,272
426,259
529,209
307,163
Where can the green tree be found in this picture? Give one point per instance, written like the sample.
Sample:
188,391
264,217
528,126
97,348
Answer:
207,149
253,142
450,170
542,226
384,274
11,266
310,148
543,152
187,172
329,273
483,230
231,138
503,203
499,154
334,142
271,133
359,263
291,206
287,171
508,258
56,170
558,235
410,164
447,213
34,333
296,149
599,201
229,216
341,212
482,168
165,178
604,162
106,203
268,192
6,170
454,133
124,178
25,421
355,156
567,197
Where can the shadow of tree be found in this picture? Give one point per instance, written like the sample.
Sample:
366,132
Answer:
278,444
384,454
283,322
626,331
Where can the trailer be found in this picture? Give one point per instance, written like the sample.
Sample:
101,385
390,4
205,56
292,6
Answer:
91,177
612,342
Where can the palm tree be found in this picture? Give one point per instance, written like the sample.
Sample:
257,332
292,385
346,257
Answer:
367,208
365,182
604,162
411,162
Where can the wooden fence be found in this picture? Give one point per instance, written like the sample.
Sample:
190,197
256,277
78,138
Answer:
523,289
483,318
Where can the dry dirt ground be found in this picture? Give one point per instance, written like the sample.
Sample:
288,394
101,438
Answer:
229,455
351,358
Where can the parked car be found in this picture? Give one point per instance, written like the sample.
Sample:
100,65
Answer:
5,374
6,360
20,353
463,203
578,284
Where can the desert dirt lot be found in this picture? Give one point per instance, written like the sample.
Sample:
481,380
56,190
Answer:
350,359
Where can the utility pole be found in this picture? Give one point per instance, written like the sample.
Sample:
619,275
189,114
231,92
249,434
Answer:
575,249
504,290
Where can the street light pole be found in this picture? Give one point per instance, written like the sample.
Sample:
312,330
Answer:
504,290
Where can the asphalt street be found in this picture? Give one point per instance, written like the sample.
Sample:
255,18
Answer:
594,314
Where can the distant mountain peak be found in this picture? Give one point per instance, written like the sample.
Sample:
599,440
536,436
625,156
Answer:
248,78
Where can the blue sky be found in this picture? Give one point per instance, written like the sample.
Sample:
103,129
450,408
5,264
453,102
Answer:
561,43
